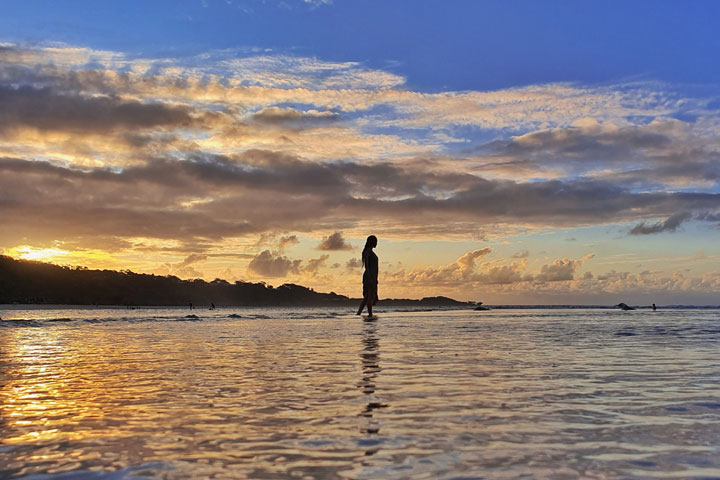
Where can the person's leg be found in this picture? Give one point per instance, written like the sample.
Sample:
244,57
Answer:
362,305
371,300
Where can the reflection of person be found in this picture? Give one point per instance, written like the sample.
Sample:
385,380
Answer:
370,356
370,276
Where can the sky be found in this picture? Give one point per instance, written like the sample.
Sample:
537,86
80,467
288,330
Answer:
517,152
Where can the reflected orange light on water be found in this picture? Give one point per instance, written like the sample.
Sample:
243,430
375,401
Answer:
328,395
40,397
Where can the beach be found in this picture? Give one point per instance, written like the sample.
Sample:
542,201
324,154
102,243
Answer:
312,393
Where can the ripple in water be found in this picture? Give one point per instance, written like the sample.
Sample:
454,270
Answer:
100,394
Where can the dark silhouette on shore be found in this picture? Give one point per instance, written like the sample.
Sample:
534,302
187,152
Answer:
370,275
25,281
625,306
480,306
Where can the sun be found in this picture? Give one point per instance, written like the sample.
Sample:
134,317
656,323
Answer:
27,252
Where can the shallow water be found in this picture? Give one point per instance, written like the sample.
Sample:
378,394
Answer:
101,393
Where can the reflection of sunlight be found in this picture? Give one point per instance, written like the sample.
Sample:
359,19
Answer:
40,400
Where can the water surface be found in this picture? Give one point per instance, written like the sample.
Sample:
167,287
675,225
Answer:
102,393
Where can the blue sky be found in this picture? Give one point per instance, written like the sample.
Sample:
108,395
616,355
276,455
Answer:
456,45
523,152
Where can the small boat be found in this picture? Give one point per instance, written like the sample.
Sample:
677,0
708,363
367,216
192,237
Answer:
480,306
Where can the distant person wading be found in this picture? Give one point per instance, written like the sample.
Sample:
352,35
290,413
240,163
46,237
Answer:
370,276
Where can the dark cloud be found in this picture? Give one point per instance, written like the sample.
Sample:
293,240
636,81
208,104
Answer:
263,192
287,241
291,118
639,156
334,242
708,216
579,143
671,224
43,109
268,265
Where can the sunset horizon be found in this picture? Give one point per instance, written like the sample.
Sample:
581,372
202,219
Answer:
512,172
359,239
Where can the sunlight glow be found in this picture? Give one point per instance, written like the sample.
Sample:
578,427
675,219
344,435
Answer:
26,252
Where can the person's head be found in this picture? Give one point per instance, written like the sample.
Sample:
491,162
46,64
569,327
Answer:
370,243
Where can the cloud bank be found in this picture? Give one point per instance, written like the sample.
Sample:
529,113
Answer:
107,151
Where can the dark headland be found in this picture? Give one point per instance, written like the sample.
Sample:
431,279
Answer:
31,282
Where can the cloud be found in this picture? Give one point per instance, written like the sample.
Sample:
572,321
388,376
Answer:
290,117
266,264
101,148
560,270
42,109
318,3
183,269
287,241
334,242
314,264
664,152
671,224
193,258
213,196
459,272
353,264
466,273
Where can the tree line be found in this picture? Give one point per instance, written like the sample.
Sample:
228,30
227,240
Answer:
25,281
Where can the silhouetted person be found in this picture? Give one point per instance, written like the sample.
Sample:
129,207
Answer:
212,306
191,307
654,307
370,276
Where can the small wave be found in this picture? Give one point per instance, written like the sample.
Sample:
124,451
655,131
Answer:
138,472
234,315
625,333
62,319
20,323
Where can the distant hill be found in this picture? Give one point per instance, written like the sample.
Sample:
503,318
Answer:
23,281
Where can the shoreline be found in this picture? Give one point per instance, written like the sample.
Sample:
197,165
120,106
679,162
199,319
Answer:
413,306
